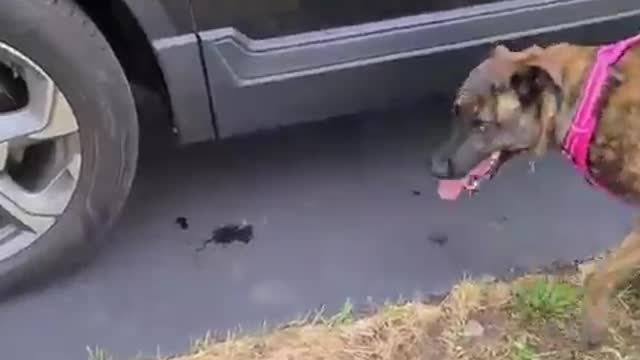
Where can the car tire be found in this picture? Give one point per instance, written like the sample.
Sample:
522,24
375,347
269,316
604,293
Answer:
63,41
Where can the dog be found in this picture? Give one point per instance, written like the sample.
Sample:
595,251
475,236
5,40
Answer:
518,102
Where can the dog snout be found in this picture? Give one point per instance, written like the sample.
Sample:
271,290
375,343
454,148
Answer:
441,167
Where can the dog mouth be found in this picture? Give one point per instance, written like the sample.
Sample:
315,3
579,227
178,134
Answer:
485,170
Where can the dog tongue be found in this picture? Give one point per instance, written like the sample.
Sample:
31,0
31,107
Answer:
451,189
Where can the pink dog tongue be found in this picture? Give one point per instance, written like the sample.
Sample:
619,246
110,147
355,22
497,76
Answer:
451,189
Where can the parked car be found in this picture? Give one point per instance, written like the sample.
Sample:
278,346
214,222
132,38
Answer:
70,71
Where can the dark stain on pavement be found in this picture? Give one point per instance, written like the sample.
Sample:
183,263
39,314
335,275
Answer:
227,234
182,222
438,238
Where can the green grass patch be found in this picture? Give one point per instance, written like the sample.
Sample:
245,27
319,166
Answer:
522,350
546,300
345,316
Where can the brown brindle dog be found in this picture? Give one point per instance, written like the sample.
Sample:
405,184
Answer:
525,101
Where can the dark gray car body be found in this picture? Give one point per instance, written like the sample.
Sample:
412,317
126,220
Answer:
237,66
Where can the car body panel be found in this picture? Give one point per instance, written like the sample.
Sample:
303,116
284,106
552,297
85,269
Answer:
273,18
184,73
261,84
234,67
168,25
162,18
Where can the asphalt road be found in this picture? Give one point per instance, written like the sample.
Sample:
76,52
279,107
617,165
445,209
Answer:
338,209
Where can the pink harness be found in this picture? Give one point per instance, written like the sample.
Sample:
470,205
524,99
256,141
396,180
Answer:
578,138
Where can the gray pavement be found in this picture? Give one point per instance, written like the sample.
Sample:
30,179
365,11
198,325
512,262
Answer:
339,209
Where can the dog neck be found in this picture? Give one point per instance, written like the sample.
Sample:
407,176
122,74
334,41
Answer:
562,121
569,96
555,121
571,66
595,153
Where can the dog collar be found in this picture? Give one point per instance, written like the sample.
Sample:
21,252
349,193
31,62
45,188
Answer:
578,138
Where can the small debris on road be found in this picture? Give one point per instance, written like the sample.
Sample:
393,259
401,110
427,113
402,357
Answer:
182,222
440,239
228,234
416,192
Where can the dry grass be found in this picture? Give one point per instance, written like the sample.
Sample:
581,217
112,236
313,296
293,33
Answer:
535,317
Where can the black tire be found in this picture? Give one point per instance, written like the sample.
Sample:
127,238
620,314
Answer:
65,43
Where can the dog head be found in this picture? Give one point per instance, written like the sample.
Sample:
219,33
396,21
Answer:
505,106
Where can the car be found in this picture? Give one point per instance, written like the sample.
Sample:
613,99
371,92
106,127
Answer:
72,73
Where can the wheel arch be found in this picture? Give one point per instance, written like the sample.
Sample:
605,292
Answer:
134,51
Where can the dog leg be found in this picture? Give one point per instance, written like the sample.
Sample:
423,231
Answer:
601,284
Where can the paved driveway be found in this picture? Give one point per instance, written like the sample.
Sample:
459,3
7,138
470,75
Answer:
338,209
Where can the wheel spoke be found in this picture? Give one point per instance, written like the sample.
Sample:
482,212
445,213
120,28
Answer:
4,155
28,221
61,122
19,239
74,167
50,200
36,115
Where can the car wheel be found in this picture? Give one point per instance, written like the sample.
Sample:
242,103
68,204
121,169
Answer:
68,139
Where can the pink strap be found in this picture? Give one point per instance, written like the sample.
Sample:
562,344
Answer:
580,134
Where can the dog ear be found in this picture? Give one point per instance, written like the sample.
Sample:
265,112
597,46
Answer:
529,75
533,85
501,51
529,82
549,60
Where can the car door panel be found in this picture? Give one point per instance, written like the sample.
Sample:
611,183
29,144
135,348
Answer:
271,18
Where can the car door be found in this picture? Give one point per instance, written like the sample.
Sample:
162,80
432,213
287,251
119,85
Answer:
277,62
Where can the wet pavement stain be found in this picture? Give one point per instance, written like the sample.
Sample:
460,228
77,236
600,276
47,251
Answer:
182,222
440,239
228,234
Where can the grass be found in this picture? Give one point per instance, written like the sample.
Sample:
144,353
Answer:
98,354
201,344
531,318
546,300
524,351
345,316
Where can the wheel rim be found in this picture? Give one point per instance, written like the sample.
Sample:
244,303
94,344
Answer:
40,155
